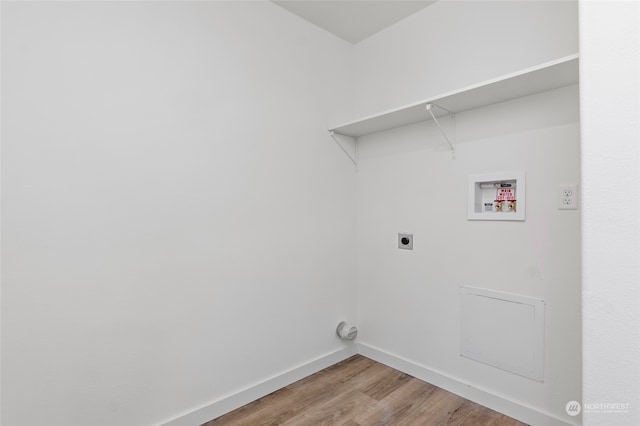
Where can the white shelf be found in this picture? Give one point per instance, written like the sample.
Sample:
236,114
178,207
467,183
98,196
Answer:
547,76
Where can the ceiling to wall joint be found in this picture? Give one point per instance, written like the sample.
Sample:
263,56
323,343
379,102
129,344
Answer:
353,20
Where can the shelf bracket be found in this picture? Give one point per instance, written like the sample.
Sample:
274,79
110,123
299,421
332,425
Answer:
453,117
354,140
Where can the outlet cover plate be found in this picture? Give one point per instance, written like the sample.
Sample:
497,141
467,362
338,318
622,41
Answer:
568,197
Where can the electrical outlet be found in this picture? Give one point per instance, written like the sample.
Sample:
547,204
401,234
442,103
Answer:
405,241
568,197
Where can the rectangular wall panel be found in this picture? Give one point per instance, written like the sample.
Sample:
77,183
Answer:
503,330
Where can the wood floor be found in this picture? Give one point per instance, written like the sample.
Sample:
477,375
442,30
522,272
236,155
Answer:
361,392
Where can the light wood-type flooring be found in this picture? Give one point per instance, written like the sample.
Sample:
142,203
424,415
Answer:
361,392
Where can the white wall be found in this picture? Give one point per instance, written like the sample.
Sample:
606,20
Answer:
408,301
610,111
123,199
177,223
452,44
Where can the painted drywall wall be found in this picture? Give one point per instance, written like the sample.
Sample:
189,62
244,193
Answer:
610,107
404,90
177,223
408,301
453,44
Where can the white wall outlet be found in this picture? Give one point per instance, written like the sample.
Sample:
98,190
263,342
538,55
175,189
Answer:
405,241
568,197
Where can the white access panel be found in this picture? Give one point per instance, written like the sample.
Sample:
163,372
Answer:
503,330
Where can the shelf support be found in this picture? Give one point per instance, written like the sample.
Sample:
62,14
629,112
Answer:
453,117
353,158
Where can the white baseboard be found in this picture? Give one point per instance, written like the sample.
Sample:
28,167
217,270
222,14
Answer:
473,393
497,403
229,403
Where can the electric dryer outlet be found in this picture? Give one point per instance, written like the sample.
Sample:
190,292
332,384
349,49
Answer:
405,241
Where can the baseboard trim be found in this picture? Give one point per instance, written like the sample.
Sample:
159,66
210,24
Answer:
229,403
497,403
473,393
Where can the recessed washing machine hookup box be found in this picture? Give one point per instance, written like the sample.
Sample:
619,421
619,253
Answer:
496,196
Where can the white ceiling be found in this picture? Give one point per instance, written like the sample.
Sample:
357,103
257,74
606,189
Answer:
353,20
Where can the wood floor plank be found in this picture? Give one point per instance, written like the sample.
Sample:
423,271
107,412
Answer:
436,409
361,392
298,400
381,385
470,413
337,411
401,403
253,410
